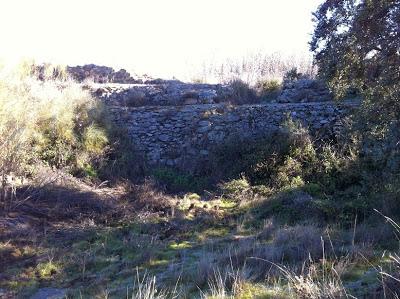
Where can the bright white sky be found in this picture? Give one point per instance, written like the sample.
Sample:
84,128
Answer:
162,37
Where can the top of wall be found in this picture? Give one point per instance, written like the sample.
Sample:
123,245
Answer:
122,88
169,93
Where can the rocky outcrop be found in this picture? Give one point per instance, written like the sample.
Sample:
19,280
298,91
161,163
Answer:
100,74
304,90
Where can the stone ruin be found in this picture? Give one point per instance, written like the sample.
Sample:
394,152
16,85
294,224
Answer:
178,136
176,124
304,90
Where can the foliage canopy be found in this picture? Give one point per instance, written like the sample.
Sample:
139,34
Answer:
357,45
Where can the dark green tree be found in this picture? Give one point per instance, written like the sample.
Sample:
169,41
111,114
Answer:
357,46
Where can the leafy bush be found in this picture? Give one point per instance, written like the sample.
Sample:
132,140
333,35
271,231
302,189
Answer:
270,160
235,186
339,181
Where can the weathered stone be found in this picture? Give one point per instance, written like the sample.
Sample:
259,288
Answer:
208,94
190,101
204,123
203,129
164,137
216,136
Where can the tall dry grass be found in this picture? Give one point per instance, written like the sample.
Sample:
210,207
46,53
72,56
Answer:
253,68
47,119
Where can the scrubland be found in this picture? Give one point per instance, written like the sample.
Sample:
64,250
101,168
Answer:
293,217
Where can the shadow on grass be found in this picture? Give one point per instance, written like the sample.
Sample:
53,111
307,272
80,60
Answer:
81,238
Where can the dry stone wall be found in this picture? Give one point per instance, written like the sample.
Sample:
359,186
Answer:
178,136
176,124
167,93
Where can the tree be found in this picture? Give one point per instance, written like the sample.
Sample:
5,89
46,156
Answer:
357,45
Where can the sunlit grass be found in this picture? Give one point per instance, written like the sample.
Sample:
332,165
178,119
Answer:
51,119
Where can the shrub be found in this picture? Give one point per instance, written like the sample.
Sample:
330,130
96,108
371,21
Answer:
242,92
43,72
235,186
292,75
122,160
268,89
298,242
178,181
240,191
136,99
273,160
342,184
69,125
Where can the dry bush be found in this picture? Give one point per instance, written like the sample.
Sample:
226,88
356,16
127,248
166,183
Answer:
242,93
146,288
123,160
299,242
227,283
136,99
51,121
268,230
315,283
390,276
204,269
146,196
290,245
373,235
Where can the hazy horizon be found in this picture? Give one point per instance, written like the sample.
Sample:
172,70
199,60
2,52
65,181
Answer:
162,38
